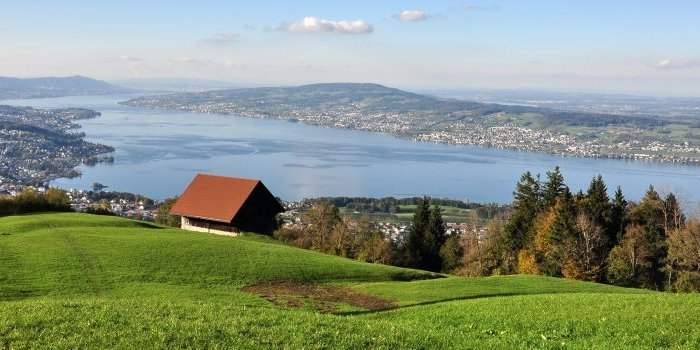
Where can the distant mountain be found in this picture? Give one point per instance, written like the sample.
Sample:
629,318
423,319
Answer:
11,88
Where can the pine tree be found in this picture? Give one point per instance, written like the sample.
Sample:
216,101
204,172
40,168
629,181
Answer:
553,188
525,208
674,219
434,240
416,234
597,207
598,202
650,216
618,218
563,229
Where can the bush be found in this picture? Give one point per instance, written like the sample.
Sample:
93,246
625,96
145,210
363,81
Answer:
687,281
32,201
163,215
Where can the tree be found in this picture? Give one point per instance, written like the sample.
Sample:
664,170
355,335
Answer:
163,215
618,218
57,200
684,257
544,245
518,230
630,261
451,253
417,234
435,238
322,220
586,251
562,229
487,255
674,219
527,263
375,249
340,241
553,188
651,216
597,204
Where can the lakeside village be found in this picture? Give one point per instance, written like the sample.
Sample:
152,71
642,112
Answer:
138,207
490,131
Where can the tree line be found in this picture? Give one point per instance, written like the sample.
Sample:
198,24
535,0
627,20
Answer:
324,229
32,201
388,204
549,231
426,245
589,236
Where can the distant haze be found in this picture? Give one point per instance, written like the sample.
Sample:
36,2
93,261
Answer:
620,46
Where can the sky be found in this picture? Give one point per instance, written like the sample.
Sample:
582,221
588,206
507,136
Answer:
643,47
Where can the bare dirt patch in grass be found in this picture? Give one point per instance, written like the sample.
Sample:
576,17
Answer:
323,298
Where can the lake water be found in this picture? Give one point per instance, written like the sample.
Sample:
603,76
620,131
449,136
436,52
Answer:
158,153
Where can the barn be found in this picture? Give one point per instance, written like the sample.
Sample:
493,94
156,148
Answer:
226,206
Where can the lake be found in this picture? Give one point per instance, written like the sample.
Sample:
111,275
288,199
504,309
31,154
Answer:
158,153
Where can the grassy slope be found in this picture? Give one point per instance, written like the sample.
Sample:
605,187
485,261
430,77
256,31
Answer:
71,281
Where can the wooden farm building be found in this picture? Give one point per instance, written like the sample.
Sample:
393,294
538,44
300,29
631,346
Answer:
227,206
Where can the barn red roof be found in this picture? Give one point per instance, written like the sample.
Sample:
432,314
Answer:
215,198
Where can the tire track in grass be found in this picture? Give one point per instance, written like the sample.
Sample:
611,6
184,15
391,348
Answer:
88,281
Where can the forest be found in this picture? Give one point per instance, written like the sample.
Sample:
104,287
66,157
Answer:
588,235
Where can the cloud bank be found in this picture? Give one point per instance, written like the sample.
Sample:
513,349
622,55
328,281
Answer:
318,25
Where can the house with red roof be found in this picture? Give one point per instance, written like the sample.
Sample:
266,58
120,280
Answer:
227,206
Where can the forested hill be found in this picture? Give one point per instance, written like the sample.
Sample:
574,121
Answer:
12,88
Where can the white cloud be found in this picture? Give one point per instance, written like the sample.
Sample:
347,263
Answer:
668,63
221,39
412,16
318,25
130,58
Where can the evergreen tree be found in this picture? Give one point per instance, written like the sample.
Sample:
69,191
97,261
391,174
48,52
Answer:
650,216
416,235
435,238
597,202
674,219
553,188
525,208
562,231
618,218
597,206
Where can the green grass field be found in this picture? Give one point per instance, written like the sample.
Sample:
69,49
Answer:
449,214
72,281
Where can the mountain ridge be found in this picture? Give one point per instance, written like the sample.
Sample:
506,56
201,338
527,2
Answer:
40,87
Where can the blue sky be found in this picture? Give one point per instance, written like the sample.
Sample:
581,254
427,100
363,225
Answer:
650,47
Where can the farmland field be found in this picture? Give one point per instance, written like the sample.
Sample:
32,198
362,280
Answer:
80,281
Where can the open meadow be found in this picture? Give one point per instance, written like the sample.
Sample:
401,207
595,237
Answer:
71,281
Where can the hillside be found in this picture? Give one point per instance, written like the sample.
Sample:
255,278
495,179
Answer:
16,88
81,281
377,108
364,98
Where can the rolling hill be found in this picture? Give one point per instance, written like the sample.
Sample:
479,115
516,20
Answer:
15,88
80,281
340,99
